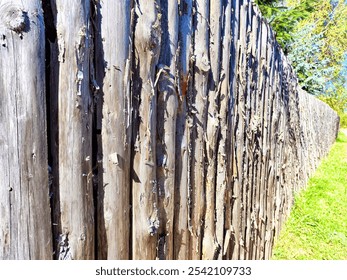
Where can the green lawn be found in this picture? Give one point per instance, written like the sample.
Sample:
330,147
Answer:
317,226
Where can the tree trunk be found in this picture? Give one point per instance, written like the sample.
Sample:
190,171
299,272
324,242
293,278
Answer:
25,227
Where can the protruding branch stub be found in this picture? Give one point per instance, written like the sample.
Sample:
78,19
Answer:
14,17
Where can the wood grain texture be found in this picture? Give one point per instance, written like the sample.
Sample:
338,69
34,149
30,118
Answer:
25,227
198,110
114,52
166,127
176,130
183,126
145,218
75,103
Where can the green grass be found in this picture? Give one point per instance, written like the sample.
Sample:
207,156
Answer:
317,226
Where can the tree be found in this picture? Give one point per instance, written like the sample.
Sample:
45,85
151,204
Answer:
313,34
329,19
304,53
284,19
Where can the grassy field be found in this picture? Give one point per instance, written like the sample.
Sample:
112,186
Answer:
317,226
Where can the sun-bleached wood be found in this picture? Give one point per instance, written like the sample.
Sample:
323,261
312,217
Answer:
75,103
113,48
25,222
145,216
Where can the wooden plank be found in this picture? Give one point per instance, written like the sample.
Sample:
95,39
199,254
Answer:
114,50
75,128
25,229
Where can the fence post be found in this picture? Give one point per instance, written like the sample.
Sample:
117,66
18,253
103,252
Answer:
113,68
75,103
25,225
145,219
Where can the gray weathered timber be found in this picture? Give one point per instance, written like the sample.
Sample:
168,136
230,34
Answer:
210,248
113,48
176,130
182,174
166,127
145,220
25,225
75,103
223,193
198,110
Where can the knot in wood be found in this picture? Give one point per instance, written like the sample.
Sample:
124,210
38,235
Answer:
13,17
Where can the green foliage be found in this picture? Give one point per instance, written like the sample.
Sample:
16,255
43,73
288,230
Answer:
269,8
314,36
317,226
304,55
343,120
330,20
336,98
285,19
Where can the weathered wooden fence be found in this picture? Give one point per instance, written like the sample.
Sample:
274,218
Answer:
149,129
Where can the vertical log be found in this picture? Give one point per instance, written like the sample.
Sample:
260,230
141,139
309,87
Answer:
210,247
241,130
251,124
182,181
264,139
145,199
223,180
166,127
235,134
25,229
199,111
113,46
256,125
75,127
